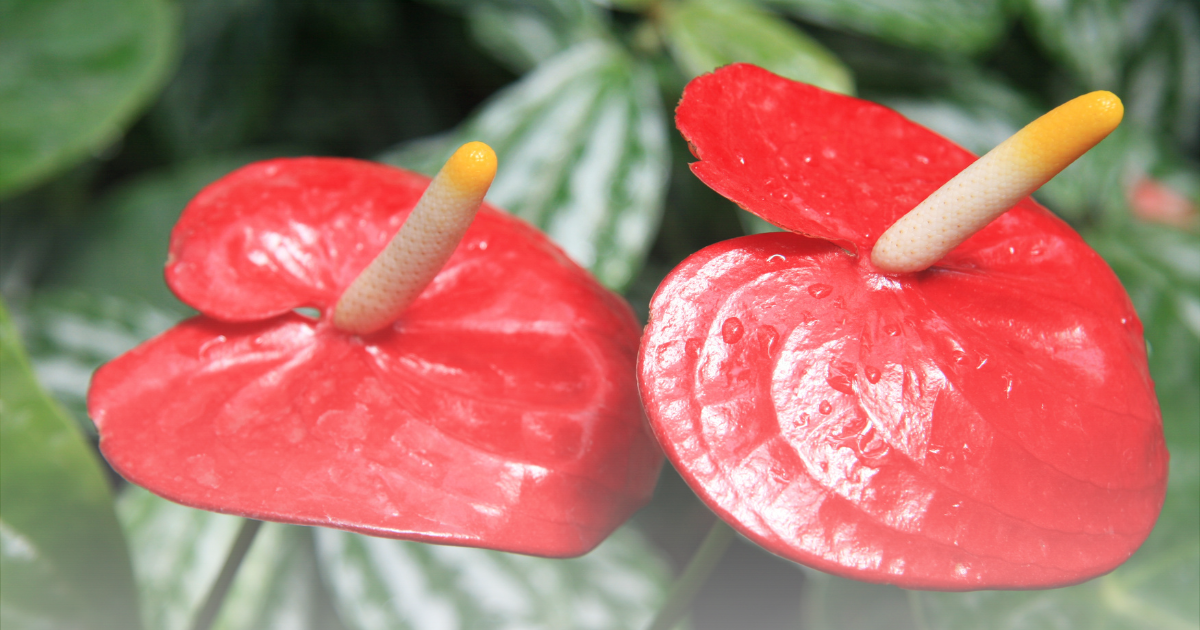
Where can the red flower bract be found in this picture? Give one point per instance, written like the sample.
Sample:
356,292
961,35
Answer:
987,423
499,411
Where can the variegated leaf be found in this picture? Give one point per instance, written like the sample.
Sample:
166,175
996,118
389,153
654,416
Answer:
583,155
382,584
179,551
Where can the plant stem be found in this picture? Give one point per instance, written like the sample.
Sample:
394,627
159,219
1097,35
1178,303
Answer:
685,588
220,588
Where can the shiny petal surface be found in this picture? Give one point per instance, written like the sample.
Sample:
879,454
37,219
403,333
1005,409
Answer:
811,161
281,234
500,411
988,423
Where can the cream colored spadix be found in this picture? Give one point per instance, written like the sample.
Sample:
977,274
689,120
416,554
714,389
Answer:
423,244
996,182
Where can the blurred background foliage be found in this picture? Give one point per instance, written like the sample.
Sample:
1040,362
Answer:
114,113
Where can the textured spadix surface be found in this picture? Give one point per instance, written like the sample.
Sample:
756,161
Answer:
499,411
987,423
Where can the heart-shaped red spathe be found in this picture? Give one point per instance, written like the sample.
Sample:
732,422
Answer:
988,423
499,411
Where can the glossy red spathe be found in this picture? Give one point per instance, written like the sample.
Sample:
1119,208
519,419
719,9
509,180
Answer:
499,411
988,423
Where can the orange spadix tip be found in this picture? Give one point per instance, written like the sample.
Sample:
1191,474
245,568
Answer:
996,182
472,167
1103,106
1063,134
421,246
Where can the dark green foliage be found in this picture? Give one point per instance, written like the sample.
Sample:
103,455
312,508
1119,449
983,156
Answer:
62,558
73,74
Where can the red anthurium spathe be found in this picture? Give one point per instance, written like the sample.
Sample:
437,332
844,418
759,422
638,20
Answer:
986,423
499,410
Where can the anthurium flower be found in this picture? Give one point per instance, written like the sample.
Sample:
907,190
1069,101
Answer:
488,402
984,422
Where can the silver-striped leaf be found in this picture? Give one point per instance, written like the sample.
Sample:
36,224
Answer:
582,145
179,551
71,333
382,584
834,603
524,34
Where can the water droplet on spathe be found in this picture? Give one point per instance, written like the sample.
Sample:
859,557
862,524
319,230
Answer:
841,383
872,374
819,290
825,407
732,330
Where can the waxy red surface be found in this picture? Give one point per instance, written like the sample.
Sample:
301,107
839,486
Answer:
499,411
987,423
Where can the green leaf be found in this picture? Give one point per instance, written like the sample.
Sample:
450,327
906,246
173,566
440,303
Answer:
979,112
1090,37
523,34
964,26
704,35
1160,268
278,586
1147,52
69,334
834,603
753,224
63,560
975,111
121,249
583,155
1162,84
228,74
382,584
178,552
73,74
1095,188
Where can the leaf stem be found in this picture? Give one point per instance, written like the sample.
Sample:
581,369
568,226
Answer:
684,590
220,588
